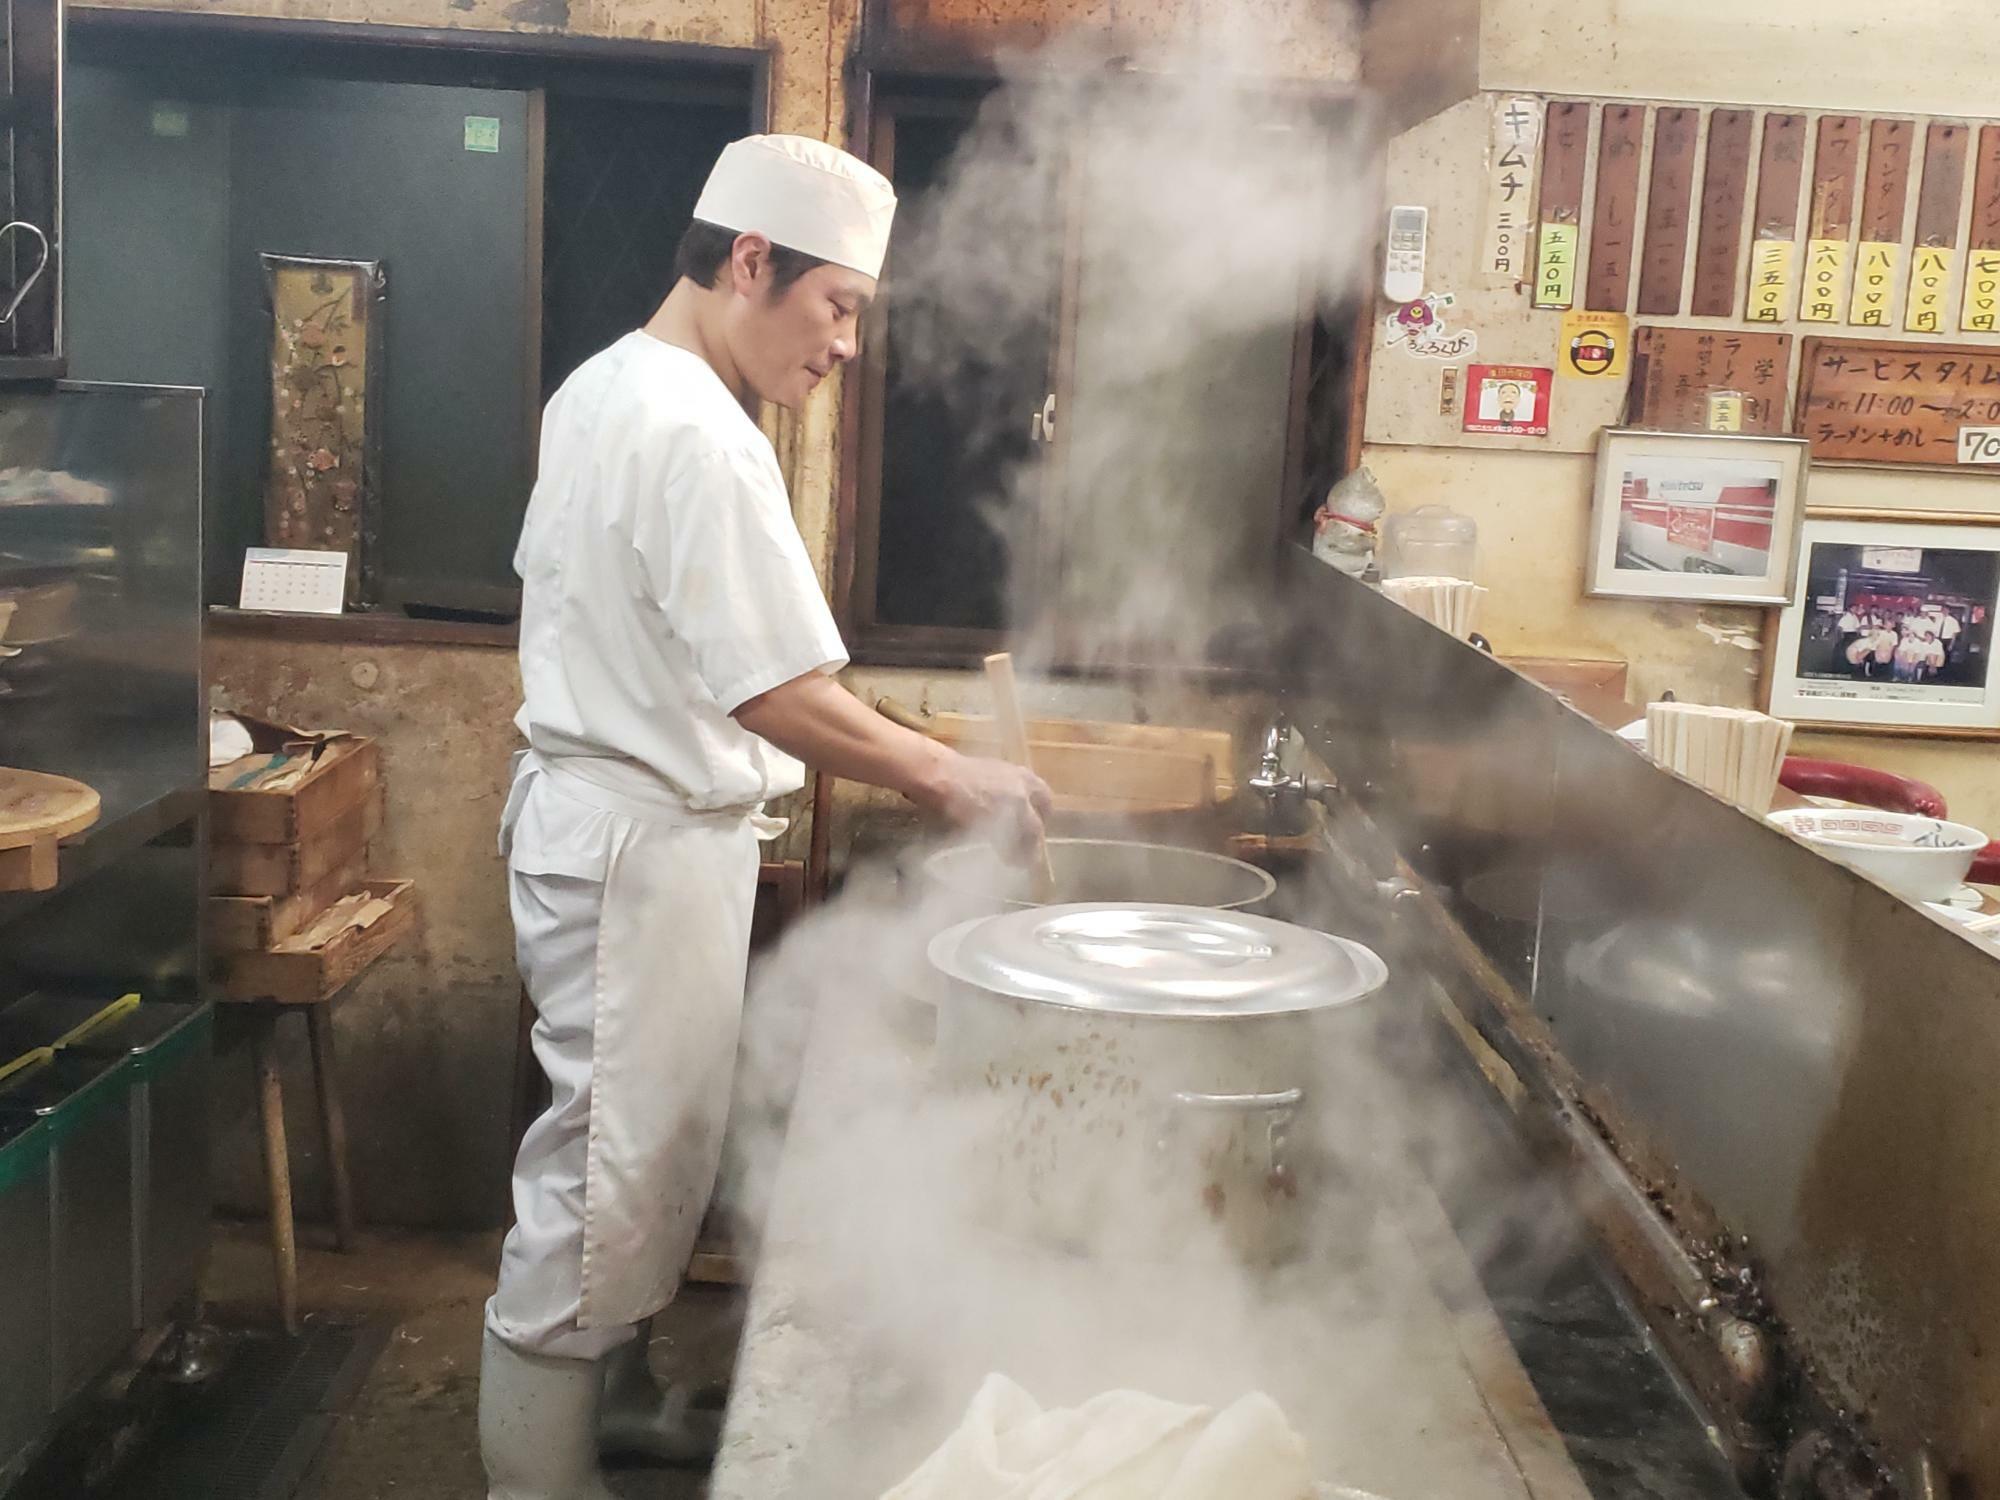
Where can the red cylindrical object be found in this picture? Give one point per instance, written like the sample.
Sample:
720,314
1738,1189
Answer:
1871,788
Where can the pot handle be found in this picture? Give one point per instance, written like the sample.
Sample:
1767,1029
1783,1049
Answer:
1242,1103
1278,1105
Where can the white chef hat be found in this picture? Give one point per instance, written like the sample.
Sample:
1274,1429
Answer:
805,195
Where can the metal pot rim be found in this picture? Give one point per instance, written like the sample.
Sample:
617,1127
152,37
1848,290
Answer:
1158,961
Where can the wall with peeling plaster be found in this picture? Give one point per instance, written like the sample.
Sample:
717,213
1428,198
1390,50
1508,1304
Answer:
1814,54
1807,54
1531,496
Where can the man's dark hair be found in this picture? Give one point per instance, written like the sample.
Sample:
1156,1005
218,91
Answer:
703,258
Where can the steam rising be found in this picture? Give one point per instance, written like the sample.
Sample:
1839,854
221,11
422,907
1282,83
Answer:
1206,212
1212,211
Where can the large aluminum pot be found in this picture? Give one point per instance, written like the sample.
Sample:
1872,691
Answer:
1148,1079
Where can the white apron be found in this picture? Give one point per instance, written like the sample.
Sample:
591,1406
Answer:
638,1031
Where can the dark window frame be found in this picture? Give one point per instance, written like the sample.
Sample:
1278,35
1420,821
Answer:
1323,438
529,62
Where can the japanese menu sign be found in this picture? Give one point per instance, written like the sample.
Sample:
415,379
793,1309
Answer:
1980,310
1507,231
1566,139
1709,380
1832,218
1895,403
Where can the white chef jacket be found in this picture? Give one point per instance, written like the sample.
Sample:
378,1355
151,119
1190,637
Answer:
664,582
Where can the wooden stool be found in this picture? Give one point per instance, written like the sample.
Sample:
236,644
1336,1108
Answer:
309,973
261,1018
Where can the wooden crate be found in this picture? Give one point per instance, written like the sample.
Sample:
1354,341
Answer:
244,924
346,774
316,963
283,869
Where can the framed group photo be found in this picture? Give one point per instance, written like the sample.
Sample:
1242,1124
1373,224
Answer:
1708,518
1892,628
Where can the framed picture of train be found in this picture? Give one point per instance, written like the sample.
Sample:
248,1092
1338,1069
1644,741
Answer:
1708,518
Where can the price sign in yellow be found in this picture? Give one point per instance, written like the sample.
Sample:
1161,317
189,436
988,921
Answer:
1725,411
1930,277
1826,278
1981,312
1874,284
1770,280
1555,281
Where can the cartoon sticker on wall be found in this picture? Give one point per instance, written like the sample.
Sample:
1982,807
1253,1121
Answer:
1419,328
1510,399
1595,345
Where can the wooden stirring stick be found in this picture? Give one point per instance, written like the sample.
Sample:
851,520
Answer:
1014,745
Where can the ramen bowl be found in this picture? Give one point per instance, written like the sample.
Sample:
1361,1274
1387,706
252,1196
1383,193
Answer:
1924,859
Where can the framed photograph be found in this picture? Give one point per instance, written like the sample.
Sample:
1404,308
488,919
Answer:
1699,516
1892,629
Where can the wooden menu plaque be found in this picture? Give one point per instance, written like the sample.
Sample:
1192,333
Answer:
1614,216
1875,402
1722,189
1663,257
1676,370
1943,183
1723,213
1565,144
1888,181
1979,312
1780,167
1833,177
1830,223
1986,191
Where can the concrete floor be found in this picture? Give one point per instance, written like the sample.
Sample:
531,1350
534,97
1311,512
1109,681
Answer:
412,1431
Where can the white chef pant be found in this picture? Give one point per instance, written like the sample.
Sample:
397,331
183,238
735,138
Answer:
558,921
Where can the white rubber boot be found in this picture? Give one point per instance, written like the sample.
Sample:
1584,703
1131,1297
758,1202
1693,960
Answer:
538,1425
644,1420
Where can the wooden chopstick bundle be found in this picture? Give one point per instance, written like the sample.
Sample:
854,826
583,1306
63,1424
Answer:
1735,753
1451,604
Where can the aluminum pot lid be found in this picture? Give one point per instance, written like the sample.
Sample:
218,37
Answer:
1146,959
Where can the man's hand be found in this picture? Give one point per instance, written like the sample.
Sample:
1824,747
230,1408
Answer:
816,720
970,791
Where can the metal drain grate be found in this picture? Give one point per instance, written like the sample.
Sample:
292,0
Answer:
254,1435
249,1435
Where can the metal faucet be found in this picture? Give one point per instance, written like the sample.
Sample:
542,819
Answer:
1285,797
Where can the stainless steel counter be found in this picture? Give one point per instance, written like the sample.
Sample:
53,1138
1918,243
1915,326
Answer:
1793,1062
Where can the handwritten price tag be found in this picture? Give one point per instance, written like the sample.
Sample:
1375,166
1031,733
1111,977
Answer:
1979,445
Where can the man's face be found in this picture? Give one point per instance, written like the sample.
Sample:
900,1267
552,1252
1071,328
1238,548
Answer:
786,342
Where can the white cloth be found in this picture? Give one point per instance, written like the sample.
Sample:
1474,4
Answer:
664,582
805,194
1118,1446
632,934
228,740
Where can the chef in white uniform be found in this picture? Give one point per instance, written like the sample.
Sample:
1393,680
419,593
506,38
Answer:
676,661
